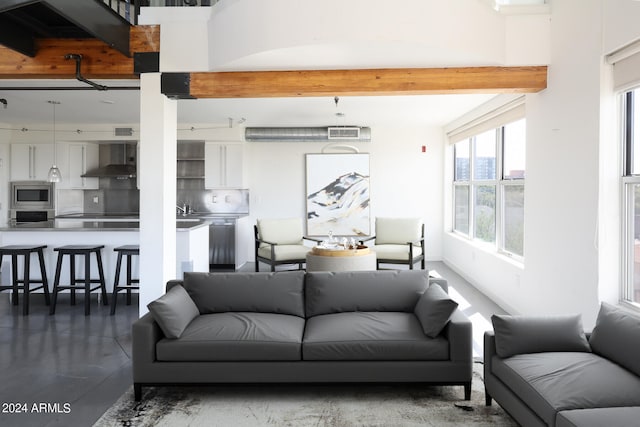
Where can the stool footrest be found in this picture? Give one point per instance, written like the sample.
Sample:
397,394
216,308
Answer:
79,284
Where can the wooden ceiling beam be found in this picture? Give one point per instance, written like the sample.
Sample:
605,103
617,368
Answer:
99,61
389,81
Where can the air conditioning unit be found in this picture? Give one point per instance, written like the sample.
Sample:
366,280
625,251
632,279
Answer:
308,134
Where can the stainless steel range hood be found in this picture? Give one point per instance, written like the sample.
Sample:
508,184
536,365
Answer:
116,160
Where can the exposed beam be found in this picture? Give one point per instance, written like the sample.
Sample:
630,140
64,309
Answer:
144,38
99,61
388,81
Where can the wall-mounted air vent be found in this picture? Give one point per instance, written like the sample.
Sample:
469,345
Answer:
308,134
124,131
343,133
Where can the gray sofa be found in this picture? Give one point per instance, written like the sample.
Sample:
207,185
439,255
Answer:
545,371
297,327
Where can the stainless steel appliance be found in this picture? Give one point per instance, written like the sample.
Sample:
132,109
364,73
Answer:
31,201
222,243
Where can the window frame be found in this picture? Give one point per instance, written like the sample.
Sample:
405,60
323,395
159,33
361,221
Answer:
499,183
630,178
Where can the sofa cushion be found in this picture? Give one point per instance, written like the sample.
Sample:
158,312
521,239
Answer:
280,292
284,252
398,230
370,336
236,337
336,292
614,330
557,381
434,308
536,334
600,417
285,231
173,311
396,252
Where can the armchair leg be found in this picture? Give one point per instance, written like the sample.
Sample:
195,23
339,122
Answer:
487,398
137,392
467,391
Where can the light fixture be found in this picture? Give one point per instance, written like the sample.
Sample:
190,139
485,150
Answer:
54,173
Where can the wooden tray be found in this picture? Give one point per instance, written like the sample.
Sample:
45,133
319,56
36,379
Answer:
362,250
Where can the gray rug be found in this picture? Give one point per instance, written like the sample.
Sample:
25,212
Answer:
307,405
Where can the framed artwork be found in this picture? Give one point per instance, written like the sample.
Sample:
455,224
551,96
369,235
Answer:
338,194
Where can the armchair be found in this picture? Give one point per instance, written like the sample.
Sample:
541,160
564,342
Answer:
280,241
398,241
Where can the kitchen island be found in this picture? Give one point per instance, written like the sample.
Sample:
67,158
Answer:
192,243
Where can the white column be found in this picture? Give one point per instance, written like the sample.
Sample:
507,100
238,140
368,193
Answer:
157,171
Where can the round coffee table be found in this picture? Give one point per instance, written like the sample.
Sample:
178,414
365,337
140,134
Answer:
319,259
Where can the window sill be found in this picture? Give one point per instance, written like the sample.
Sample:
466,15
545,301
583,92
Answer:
488,248
630,306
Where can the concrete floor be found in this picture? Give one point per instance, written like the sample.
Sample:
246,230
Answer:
68,369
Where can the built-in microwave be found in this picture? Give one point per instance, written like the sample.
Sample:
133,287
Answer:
32,196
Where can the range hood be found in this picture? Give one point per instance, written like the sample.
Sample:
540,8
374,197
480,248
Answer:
116,160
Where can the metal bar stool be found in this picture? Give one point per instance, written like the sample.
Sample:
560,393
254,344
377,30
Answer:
26,281
128,251
86,251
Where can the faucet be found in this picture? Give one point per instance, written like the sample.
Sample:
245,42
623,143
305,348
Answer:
185,209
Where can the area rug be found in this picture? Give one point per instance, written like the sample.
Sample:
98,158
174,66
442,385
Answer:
307,406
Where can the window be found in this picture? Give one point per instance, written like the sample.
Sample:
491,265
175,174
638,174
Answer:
631,199
488,187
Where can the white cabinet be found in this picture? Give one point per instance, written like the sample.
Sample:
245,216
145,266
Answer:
74,159
31,162
223,165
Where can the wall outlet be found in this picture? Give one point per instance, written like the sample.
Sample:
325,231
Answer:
96,200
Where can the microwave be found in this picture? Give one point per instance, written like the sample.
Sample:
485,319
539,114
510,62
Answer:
32,195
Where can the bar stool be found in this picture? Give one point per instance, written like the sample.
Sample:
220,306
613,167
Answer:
26,281
128,251
86,251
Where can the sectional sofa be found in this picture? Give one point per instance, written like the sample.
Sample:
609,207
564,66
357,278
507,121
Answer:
297,327
545,371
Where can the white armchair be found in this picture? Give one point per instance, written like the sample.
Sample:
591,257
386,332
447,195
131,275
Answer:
398,241
280,241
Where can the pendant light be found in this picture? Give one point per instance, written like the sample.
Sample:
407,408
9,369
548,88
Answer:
54,173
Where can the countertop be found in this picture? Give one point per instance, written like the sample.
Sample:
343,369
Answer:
99,225
135,217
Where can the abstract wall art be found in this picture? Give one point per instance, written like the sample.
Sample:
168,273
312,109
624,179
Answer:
338,194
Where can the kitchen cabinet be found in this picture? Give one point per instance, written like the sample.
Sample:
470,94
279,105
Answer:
75,159
31,162
190,170
223,165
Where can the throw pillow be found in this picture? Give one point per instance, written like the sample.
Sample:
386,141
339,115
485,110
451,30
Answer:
616,337
538,334
434,309
173,311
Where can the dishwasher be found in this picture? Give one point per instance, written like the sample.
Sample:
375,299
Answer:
222,243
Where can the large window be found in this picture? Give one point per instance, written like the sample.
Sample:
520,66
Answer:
631,199
488,187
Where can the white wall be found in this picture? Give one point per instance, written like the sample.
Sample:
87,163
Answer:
620,23
561,271
404,180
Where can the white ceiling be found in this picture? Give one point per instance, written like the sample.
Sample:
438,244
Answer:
122,107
